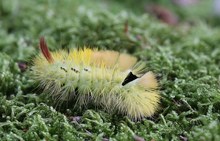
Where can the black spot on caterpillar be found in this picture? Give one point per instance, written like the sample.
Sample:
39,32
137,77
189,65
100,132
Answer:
63,69
75,70
129,78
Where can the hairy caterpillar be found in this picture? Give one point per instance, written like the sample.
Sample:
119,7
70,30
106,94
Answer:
108,79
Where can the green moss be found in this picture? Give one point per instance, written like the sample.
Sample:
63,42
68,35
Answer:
185,58
10,79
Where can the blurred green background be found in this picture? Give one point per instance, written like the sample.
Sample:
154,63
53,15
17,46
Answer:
179,40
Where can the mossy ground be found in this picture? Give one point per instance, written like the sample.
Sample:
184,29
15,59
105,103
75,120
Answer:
186,59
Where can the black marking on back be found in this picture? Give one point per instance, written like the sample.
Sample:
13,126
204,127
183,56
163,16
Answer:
130,77
63,69
85,69
75,70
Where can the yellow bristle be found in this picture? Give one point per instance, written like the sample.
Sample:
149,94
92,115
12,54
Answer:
112,59
148,80
109,58
126,62
80,56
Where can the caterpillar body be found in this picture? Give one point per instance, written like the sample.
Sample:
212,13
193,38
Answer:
108,79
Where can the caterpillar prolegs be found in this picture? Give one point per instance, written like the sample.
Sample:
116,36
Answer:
114,81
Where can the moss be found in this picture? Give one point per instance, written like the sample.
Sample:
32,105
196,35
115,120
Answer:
10,79
185,58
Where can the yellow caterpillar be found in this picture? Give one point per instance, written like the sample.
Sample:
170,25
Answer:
108,79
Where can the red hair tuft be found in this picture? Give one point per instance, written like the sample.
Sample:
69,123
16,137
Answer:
44,49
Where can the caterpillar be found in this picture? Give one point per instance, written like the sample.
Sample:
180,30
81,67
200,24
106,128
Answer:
112,80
